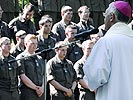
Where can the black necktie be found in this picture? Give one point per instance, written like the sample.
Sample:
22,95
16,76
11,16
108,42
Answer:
85,25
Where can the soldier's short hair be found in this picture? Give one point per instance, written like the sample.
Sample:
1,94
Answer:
65,9
80,10
60,44
29,37
69,27
20,33
85,43
3,39
45,19
29,7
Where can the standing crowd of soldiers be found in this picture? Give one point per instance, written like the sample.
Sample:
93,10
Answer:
48,45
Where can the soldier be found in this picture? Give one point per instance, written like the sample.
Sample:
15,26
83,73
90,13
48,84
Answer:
45,40
75,4
85,93
4,30
85,21
59,27
74,52
9,72
61,75
23,22
19,47
32,81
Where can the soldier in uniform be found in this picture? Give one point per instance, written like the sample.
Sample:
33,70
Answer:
59,27
85,21
61,75
85,93
74,51
9,72
32,81
75,4
19,47
23,22
4,30
45,39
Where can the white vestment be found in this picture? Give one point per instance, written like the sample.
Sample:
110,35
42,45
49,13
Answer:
109,67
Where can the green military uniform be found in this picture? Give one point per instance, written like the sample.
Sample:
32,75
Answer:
4,30
84,26
59,30
16,50
62,72
9,78
85,94
74,52
46,44
33,68
20,24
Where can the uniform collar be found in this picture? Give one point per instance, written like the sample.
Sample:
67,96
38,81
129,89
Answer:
58,60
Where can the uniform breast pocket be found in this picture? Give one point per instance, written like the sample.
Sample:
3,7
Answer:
3,71
59,75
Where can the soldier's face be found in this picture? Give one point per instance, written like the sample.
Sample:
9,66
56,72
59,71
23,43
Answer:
68,15
47,27
27,15
87,49
31,45
62,52
85,14
21,39
71,33
6,46
1,11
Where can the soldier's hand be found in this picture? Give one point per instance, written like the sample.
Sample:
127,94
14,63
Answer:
40,91
68,93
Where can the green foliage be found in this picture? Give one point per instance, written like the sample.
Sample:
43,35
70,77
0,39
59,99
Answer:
22,3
